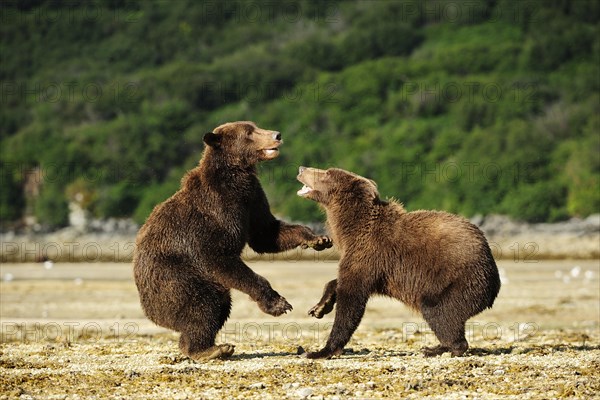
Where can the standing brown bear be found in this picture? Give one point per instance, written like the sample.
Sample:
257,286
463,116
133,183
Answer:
435,262
188,253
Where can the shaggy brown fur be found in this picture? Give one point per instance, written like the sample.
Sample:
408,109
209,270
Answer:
435,262
188,252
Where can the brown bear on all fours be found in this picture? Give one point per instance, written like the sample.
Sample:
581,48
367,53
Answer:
437,263
188,253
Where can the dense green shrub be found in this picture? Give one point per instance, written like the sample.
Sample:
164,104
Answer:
386,38
51,207
582,176
152,196
11,193
118,200
471,106
538,202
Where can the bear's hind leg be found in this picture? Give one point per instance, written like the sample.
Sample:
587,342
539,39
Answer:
448,328
325,305
198,336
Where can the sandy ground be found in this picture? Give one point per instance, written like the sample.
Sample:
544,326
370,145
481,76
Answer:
73,331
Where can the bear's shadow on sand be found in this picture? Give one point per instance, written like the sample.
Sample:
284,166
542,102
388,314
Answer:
472,352
252,356
531,349
482,352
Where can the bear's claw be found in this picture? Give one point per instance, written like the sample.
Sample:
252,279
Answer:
218,351
323,353
276,307
318,243
317,311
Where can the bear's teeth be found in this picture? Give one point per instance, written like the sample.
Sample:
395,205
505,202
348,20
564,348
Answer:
305,190
270,152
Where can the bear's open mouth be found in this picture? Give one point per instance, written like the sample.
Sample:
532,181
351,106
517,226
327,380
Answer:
273,151
304,191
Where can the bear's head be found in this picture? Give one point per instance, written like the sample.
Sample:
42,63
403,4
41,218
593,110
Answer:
335,186
243,143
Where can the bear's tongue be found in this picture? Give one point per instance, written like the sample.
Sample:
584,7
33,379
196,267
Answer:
304,191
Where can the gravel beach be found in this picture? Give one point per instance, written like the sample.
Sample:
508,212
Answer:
73,331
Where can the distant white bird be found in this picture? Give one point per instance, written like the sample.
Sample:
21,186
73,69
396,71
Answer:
575,271
48,264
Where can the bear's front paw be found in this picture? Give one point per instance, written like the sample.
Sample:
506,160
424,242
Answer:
320,309
275,306
324,353
318,243
316,311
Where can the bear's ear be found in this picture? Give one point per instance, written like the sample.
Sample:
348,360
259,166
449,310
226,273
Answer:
366,186
212,140
374,192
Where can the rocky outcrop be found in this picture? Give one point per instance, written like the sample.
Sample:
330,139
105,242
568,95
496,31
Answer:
114,240
522,241
98,240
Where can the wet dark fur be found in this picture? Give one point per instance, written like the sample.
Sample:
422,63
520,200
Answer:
435,262
188,252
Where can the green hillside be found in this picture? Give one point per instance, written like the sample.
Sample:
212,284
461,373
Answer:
467,106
